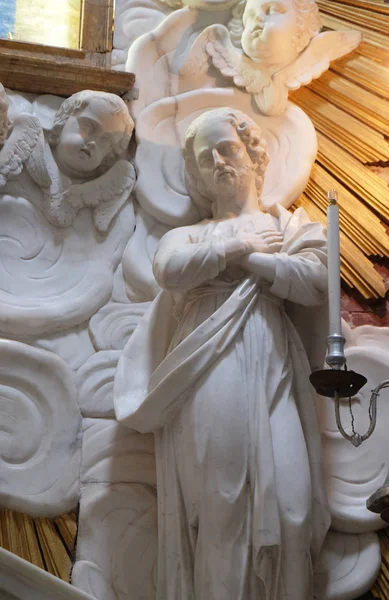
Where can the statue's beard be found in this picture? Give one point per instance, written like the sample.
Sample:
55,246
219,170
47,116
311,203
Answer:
225,175
227,181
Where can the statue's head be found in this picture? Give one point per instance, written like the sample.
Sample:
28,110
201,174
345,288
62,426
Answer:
91,131
5,122
276,31
224,151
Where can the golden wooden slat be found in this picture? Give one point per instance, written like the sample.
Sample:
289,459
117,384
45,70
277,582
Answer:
359,16
373,37
18,536
30,542
374,53
381,588
367,185
360,140
13,539
54,553
318,196
46,544
365,106
365,72
374,6
67,528
355,268
361,220
384,543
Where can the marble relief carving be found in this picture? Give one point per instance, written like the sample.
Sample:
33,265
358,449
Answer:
271,49
63,271
102,252
67,218
40,437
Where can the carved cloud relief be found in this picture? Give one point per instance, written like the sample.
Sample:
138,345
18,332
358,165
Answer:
59,249
57,263
39,432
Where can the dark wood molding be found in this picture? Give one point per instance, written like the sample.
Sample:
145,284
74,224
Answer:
16,46
97,25
38,73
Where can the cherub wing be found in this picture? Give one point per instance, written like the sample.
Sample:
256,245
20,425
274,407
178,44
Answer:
105,194
316,58
197,60
310,64
25,146
215,42
5,121
232,62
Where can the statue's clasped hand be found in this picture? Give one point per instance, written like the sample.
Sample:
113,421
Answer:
265,242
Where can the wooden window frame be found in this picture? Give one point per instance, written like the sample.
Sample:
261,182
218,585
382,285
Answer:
41,69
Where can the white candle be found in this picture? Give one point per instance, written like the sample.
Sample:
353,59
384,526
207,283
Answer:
333,264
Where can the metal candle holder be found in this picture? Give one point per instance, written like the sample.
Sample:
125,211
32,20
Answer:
338,382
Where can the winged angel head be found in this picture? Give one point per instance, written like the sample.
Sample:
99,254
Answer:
271,47
91,131
85,163
274,33
89,142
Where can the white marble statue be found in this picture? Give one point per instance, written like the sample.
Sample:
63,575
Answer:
270,48
218,372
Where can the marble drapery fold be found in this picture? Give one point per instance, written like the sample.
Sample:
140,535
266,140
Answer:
225,386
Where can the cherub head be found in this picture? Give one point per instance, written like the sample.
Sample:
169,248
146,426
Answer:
224,152
274,32
91,131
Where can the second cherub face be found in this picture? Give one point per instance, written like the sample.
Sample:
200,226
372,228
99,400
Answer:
270,31
88,137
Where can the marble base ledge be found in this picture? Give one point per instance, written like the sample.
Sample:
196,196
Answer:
20,580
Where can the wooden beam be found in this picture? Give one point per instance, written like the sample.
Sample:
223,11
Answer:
15,46
97,25
42,74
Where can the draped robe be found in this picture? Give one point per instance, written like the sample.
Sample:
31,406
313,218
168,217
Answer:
218,371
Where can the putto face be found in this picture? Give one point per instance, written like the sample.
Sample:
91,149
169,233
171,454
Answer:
88,137
222,159
270,28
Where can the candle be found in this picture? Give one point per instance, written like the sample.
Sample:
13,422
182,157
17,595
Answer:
335,327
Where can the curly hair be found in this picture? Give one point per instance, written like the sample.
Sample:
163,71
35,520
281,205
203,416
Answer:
5,121
79,102
250,134
308,23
